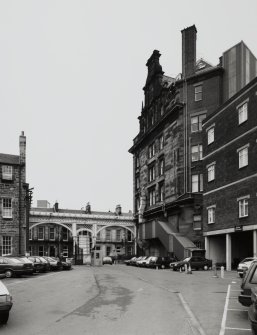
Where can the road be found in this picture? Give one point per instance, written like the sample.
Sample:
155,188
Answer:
117,300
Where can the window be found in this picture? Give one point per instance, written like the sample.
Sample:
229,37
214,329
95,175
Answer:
151,173
151,151
137,162
197,222
197,183
161,192
242,113
108,235
196,122
161,167
198,92
211,172
65,234
108,251
129,250
40,250
137,182
137,204
7,172
243,156
118,235
211,214
65,251
210,135
52,234
41,233
243,207
7,208
152,197
161,142
196,152
129,236
7,245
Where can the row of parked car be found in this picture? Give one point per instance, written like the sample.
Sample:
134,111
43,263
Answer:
12,266
195,262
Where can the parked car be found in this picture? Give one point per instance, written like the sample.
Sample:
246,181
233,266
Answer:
5,303
66,265
195,263
147,261
244,265
249,281
140,260
128,261
252,311
25,260
161,262
54,263
39,265
11,266
107,260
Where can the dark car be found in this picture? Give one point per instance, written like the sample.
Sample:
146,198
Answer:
14,267
39,264
195,262
25,260
55,263
252,311
5,303
66,265
249,281
161,262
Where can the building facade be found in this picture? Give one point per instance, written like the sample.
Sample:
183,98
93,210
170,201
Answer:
79,234
168,151
14,197
230,192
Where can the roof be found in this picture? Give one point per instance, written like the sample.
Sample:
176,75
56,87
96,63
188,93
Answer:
9,159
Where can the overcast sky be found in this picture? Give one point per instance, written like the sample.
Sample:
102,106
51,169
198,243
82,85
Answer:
71,77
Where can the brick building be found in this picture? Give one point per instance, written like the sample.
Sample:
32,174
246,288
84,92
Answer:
230,193
14,202
168,151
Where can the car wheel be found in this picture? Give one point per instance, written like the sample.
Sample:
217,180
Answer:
4,317
8,273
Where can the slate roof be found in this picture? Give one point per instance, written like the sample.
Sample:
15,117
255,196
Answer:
9,159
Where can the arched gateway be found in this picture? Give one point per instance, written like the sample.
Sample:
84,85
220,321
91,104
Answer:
77,233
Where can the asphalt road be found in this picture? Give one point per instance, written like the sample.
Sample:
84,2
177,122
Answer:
117,300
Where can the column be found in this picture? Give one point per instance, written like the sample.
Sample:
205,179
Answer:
74,236
254,243
207,246
228,252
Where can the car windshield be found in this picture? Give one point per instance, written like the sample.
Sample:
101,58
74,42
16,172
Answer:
249,259
25,260
42,259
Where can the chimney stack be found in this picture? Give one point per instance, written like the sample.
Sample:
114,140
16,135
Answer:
22,144
88,208
56,207
118,210
188,51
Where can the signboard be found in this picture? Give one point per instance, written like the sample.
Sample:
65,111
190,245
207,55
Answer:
238,228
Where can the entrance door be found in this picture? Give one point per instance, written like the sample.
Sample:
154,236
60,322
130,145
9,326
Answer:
52,251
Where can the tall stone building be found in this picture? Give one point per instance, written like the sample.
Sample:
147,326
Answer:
14,202
168,151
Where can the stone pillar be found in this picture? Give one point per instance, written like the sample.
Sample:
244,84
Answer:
254,243
228,252
207,246
74,236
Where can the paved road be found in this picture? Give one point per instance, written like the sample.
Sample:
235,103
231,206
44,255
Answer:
122,300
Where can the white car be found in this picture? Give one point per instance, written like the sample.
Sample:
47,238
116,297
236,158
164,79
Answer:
5,303
244,265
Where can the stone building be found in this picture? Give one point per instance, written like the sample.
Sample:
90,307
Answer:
230,193
80,233
14,202
168,151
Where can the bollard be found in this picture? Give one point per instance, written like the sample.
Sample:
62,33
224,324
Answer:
185,268
180,269
157,267
189,271
215,275
222,272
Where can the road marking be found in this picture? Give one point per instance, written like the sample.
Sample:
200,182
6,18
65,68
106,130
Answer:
238,328
237,310
223,322
195,322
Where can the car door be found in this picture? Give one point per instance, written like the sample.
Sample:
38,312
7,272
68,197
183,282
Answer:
2,265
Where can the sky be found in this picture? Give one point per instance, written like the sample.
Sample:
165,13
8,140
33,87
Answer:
71,78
